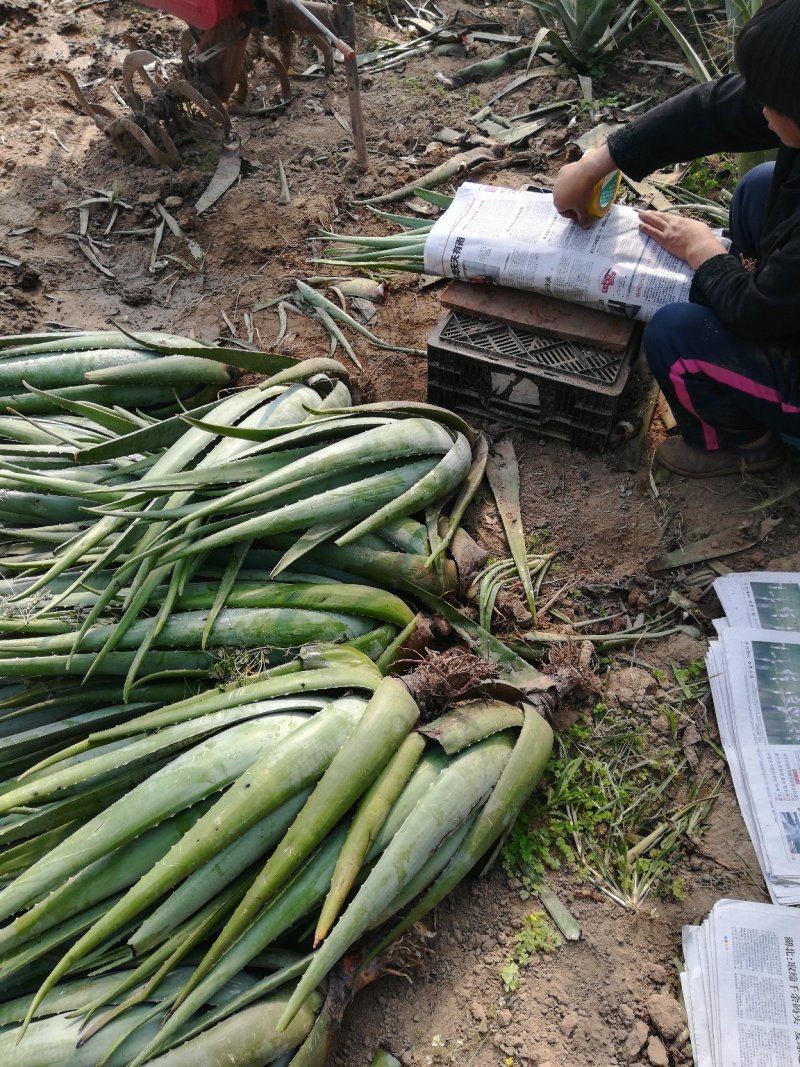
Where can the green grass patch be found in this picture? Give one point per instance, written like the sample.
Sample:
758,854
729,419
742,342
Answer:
620,799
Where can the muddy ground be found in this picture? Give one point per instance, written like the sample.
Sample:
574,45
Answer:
609,998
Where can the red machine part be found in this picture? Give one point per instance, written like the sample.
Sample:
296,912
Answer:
202,14
217,22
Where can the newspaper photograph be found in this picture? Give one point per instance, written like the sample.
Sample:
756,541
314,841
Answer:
755,682
513,237
741,986
766,600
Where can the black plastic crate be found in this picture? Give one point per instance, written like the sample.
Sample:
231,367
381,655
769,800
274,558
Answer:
554,387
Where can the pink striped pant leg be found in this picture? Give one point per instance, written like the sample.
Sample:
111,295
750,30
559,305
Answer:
724,391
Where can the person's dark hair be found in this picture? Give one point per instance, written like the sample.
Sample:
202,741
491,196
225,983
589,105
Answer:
768,56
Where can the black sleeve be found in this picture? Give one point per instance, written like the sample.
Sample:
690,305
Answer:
761,304
718,116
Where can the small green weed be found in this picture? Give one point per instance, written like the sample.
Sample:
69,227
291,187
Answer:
509,976
614,100
692,680
413,85
536,935
679,889
706,177
539,540
591,107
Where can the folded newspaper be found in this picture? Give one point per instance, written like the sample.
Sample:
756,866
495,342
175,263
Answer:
754,671
514,237
741,986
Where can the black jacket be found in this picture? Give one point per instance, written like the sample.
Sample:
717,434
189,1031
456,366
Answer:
720,116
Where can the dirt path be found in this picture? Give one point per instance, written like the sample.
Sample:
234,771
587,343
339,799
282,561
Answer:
609,998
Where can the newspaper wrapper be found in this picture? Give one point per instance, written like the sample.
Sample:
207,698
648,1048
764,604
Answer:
754,671
517,238
740,986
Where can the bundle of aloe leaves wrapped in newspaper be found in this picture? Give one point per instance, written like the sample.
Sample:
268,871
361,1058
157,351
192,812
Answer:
212,790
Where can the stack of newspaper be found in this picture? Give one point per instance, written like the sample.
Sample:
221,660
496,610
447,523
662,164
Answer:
741,987
754,671
515,237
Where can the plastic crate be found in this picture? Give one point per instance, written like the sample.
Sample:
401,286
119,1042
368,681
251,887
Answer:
202,14
554,387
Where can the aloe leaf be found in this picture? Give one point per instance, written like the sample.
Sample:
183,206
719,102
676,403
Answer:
699,68
502,473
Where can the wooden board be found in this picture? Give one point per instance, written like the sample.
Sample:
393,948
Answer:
543,314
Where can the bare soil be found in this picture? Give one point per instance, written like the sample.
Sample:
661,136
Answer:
590,1002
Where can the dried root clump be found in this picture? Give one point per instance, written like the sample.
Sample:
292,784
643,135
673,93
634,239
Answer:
367,386
409,957
571,662
511,609
444,678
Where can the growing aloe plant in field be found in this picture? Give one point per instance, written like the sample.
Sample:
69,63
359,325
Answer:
704,65
590,30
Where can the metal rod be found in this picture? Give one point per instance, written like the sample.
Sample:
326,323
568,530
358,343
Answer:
347,26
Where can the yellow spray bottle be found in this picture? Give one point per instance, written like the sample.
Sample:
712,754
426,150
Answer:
604,194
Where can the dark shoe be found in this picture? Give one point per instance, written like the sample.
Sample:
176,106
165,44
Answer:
762,455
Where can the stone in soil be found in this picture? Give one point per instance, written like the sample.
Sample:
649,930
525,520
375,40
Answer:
656,1053
665,1015
569,1024
635,1041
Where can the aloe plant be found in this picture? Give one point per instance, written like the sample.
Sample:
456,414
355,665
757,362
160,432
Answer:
590,29
703,64
738,12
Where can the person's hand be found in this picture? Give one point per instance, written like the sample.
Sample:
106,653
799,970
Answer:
687,239
575,182
572,193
